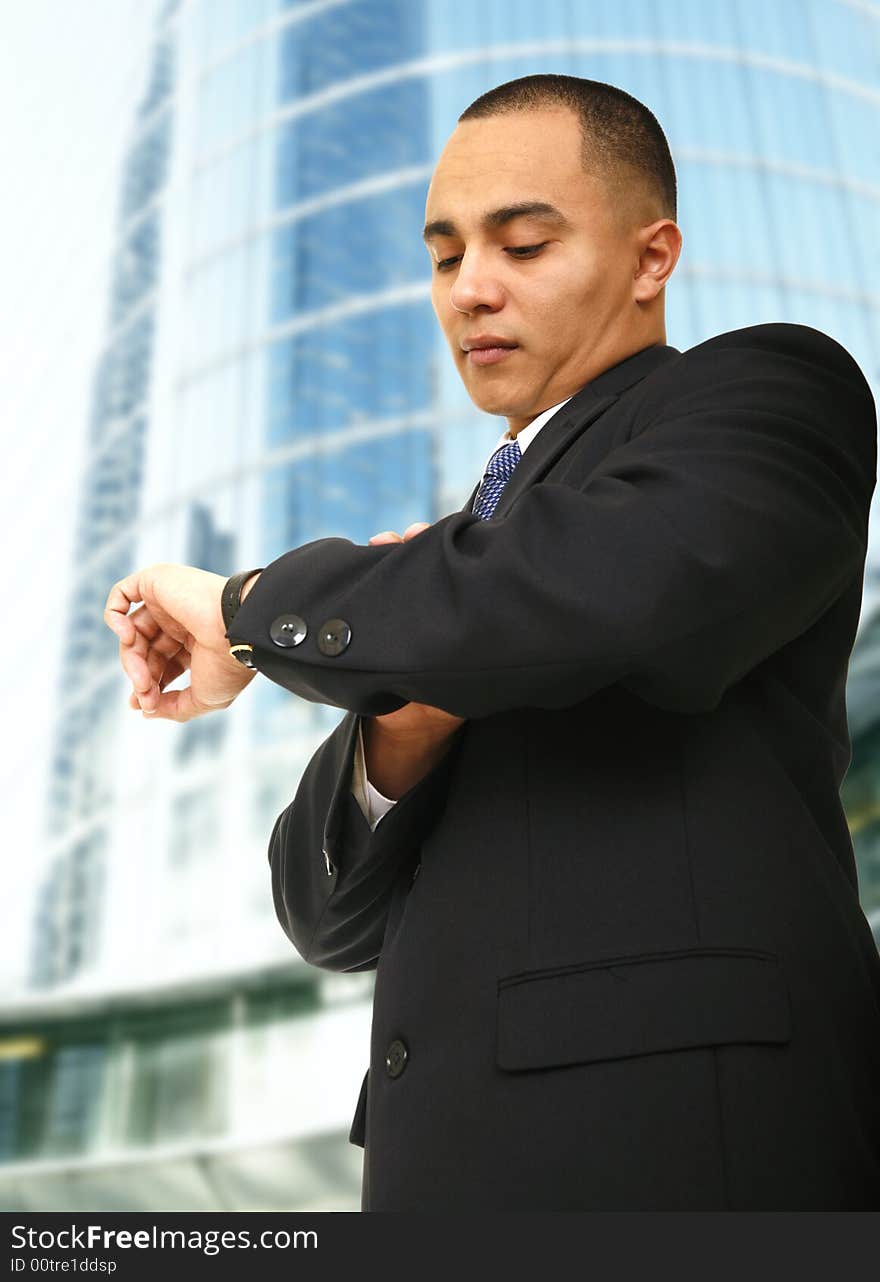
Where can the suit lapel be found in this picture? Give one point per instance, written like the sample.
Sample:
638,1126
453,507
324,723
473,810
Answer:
582,409
552,441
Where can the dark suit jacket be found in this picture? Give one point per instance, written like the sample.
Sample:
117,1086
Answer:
632,972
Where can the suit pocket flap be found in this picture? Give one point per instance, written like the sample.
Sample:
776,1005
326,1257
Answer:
637,1005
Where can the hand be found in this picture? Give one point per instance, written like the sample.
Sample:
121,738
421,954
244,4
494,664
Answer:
391,536
178,627
418,722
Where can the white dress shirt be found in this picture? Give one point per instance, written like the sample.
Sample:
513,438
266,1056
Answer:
370,800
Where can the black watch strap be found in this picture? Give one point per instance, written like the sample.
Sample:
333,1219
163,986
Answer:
230,601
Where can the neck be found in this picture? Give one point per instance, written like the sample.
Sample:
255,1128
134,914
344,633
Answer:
602,360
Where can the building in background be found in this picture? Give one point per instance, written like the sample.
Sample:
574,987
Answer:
273,374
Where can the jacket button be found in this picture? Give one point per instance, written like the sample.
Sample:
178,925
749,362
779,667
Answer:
288,629
395,1060
333,636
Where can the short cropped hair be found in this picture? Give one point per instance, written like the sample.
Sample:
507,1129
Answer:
622,139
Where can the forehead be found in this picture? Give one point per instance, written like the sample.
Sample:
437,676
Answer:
491,162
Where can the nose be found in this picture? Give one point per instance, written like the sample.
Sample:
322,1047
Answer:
475,285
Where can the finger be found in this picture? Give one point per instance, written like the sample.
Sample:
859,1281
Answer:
172,670
121,597
177,705
150,672
139,673
162,652
149,638
143,622
122,625
148,628
416,528
140,663
151,644
387,536
141,648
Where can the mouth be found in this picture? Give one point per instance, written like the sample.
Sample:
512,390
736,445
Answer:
488,350
489,355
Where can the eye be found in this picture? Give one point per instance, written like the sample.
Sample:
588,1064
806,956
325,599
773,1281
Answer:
525,251
517,251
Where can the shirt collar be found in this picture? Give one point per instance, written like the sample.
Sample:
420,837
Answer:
526,435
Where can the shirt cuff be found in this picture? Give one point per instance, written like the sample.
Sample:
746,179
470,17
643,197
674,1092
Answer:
373,805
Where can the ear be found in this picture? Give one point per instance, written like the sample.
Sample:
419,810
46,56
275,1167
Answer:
659,245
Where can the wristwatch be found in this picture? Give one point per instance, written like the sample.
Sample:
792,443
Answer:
230,600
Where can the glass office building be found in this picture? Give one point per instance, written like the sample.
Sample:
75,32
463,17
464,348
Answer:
273,374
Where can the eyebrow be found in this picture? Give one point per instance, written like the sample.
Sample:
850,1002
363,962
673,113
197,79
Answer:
498,217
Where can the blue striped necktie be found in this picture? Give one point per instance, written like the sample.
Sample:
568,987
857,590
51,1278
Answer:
498,472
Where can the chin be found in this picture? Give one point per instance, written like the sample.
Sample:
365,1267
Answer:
497,408
493,400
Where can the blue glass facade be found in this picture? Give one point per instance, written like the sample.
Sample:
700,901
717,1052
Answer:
273,373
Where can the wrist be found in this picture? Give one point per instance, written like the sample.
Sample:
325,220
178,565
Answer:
397,738
249,583
396,762
231,597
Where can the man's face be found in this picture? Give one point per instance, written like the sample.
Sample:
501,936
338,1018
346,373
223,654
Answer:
566,305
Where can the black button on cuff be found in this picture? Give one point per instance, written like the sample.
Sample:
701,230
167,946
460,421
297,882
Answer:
333,636
395,1059
288,630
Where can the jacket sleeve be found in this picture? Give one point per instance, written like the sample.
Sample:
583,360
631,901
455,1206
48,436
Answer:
721,531
332,876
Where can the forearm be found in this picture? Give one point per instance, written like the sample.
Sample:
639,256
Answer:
334,906
722,529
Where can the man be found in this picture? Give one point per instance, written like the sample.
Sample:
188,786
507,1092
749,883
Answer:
609,890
